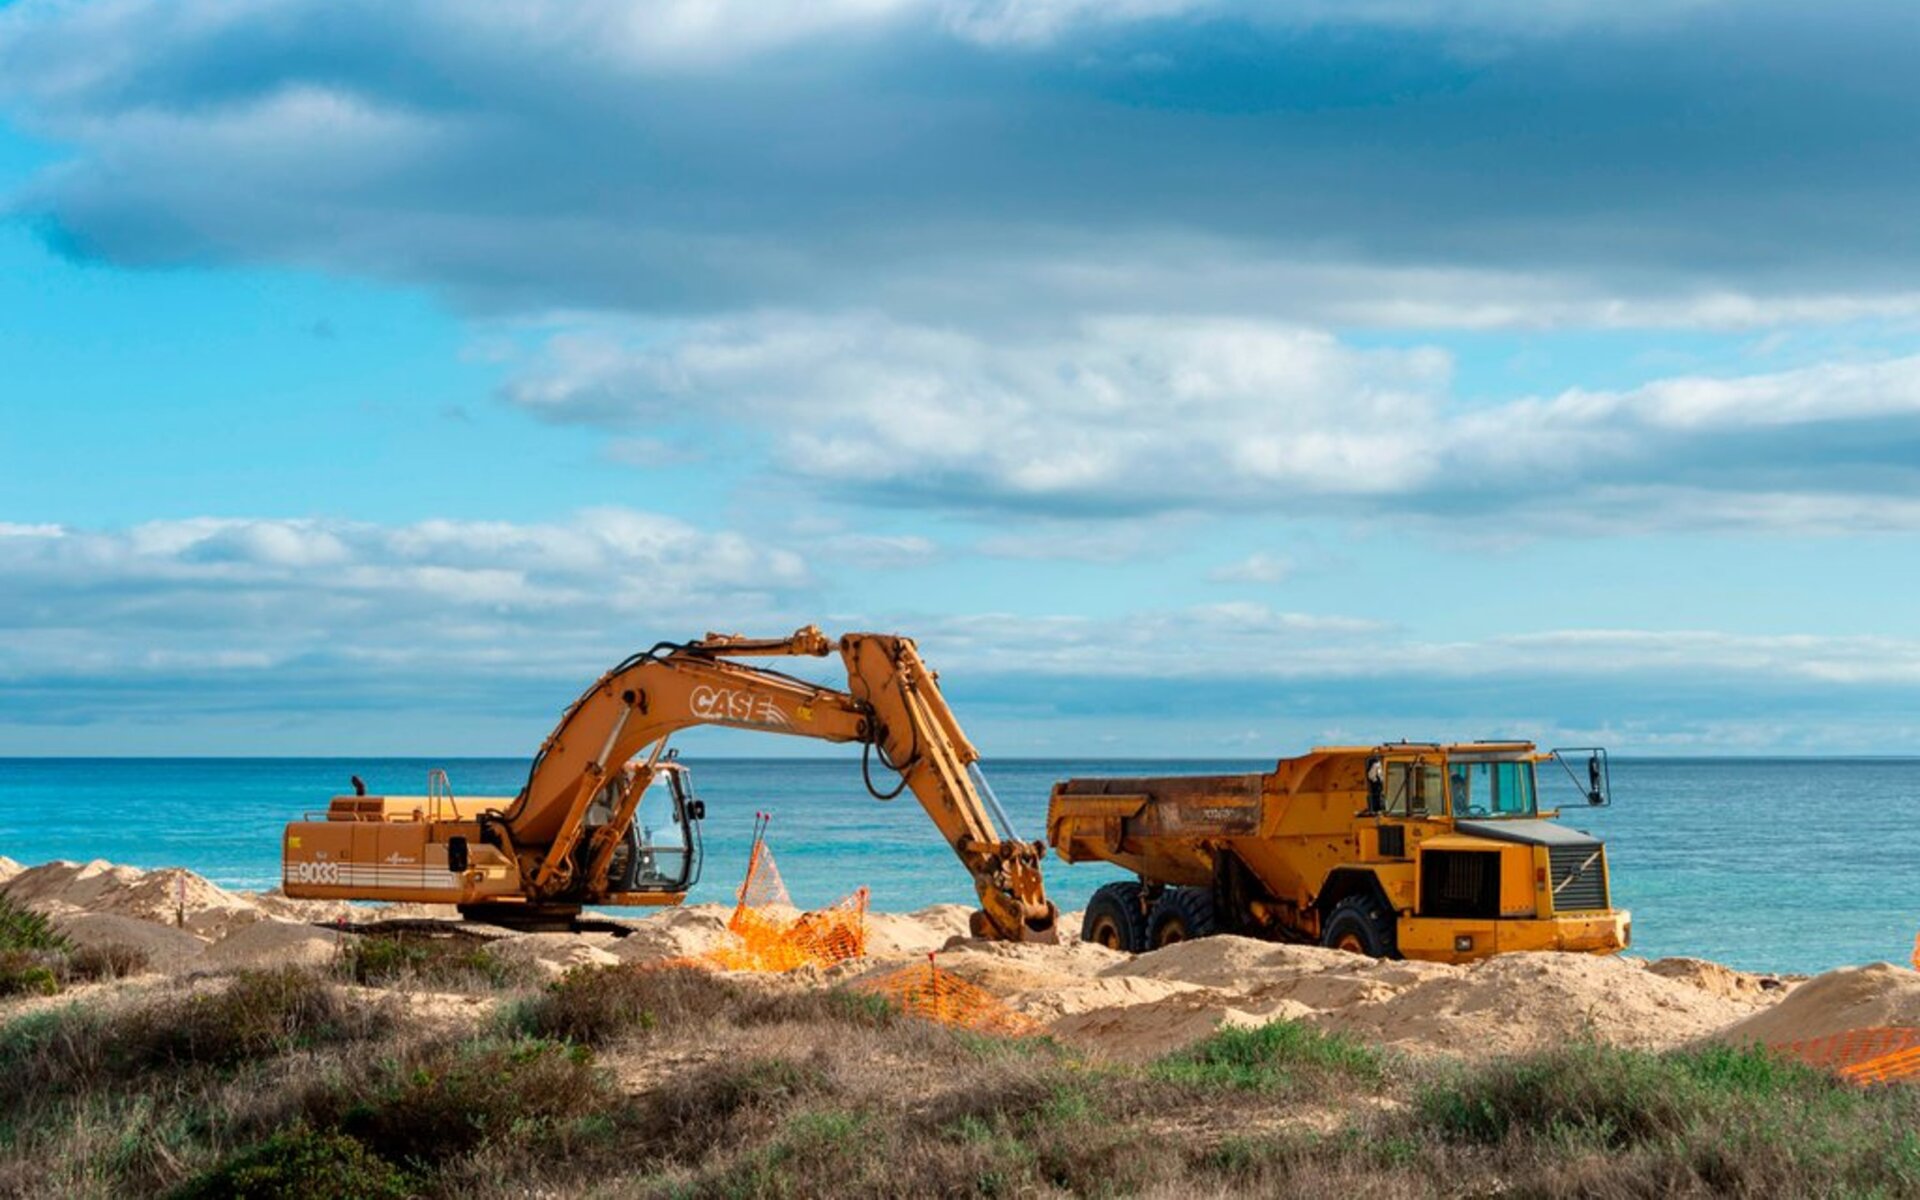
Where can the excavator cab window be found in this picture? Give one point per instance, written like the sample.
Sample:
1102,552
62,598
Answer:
661,849
665,836
1415,788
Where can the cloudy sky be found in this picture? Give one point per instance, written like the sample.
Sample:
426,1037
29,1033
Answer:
1189,377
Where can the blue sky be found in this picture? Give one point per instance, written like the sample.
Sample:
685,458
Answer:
1190,378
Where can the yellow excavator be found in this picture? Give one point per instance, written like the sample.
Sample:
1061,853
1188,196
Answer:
576,834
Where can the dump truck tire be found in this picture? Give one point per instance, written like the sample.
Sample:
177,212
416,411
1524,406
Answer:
1180,915
1114,918
1362,924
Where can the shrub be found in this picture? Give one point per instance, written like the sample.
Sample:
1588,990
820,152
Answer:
706,1109
21,928
378,960
1277,1056
1613,1096
258,1015
301,1164
29,973
596,1005
451,1097
107,961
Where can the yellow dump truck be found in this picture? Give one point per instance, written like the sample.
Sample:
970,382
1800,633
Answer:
1428,851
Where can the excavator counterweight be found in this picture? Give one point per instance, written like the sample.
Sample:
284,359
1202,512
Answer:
574,835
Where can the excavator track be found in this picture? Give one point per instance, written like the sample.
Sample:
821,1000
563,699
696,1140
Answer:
477,931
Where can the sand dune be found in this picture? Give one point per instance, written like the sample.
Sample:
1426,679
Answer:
1110,1004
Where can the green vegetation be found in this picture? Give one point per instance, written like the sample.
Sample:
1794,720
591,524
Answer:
1282,1056
670,1082
38,960
301,1164
388,960
599,1005
21,928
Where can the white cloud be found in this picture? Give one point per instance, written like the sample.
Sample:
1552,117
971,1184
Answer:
227,593
1258,567
1389,162
1139,415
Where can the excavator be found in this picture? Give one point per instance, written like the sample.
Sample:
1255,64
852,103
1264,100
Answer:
576,834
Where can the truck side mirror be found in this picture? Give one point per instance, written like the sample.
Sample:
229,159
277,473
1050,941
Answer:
696,810
1595,794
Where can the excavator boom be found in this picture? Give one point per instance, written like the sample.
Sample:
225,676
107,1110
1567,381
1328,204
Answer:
552,845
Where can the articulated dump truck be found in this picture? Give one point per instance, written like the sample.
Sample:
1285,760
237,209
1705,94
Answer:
1401,850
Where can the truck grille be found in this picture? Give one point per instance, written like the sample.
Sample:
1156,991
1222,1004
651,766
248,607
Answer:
1585,890
1459,883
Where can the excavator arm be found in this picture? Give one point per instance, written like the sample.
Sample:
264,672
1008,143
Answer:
892,705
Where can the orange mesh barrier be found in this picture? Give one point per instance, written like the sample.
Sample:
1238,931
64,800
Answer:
772,937
945,997
1884,1054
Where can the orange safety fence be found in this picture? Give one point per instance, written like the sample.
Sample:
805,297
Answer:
1883,1054
772,936
927,991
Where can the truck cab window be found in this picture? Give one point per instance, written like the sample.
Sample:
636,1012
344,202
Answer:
1415,789
1493,789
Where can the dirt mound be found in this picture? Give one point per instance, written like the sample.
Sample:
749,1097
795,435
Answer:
921,932
168,950
274,944
1849,998
1140,1032
677,933
1712,977
1522,1002
168,896
554,954
1225,961
8,869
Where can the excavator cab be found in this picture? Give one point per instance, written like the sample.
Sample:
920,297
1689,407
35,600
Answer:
660,851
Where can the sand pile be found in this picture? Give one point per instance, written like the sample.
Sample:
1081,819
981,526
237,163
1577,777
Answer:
1110,1004
1138,1008
8,868
168,950
169,896
554,954
275,944
1712,977
1525,1002
1849,998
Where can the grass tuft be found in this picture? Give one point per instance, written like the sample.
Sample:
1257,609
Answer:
1280,1056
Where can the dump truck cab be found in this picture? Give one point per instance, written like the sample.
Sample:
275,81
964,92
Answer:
1425,851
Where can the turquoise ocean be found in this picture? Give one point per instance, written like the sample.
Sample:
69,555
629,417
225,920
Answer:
1785,865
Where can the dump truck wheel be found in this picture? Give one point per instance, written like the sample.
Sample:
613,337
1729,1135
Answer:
1182,914
1362,925
1114,919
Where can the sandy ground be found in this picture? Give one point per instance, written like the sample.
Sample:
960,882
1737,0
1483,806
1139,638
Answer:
1112,1005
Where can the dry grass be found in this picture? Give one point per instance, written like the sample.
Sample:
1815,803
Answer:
672,1083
